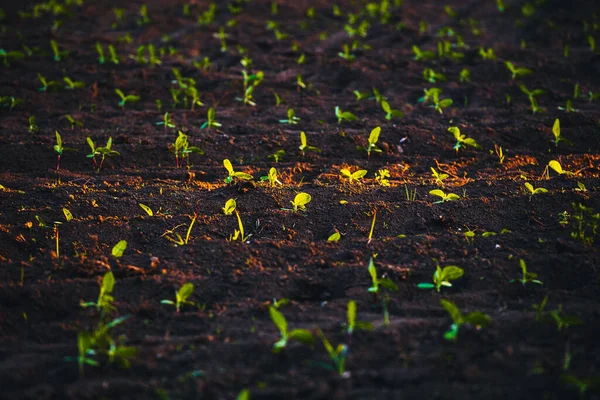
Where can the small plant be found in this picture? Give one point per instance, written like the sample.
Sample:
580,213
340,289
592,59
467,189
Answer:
105,151
272,178
422,54
338,355
304,147
556,132
445,197
167,122
389,112
527,276
465,76
211,121
581,384
533,191
59,149
438,177
438,104
291,118
539,309
279,154
353,176
176,238
378,283
33,128
299,335
104,304
233,174
239,233
555,165
488,54
182,149
562,320
229,207
300,201
586,224
516,72
431,76
382,176
58,55
442,277
476,318
499,153
360,95
119,248
181,296
71,84
130,98
344,115
531,95
74,122
10,56
334,237
372,146
48,84
346,53
462,140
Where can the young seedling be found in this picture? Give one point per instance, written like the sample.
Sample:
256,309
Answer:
130,98
239,233
499,153
378,283
487,54
105,151
233,174
531,95
291,118
527,276
444,197
211,121
278,155
300,201
58,55
438,177
539,309
533,191
462,140
517,72
431,76
181,296
166,122
389,112
47,84
344,115
334,237
71,84
59,149
465,76
304,147
439,105
381,177
182,149
229,207
299,335
564,321
477,319
272,178
10,56
372,146
346,53
104,304
555,165
442,277
360,95
176,238
74,122
422,54
353,324
338,355
33,128
557,137
581,384
353,176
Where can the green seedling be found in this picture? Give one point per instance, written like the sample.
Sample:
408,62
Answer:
103,152
499,153
243,395
353,324
346,53
555,165
278,155
372,227
239,233
304,147
422,54
344,115
86,351
372,146
222,37
377,96
334,237
516,72
438,177
229,207
47,84
564,321
130,98
581,384
465,76
114,58
533,191
338,355
146,209
10,56
70,84
352,176
556,132
527,276
531,95
378,283
381,177
74,122
361,95
477,319
181,296
299,335
291,118
300,201
539,309
117,353
586,224
462,140
12,101
182,149
104,304
233,174
58,55
568,107
272,178
389,112
33,128
442,277
431,76
433,95
166,122
119,248
59,149
176,238
211,120
100,51
488,54
445,197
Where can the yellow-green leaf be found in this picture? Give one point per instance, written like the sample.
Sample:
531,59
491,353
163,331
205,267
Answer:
229,207
335,237
147,209
228,166
374,136
555,165
119,249
302,199
556,128
68,214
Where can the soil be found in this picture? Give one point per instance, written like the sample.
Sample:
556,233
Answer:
223,343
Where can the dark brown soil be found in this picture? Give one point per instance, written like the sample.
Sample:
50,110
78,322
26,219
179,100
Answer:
223,343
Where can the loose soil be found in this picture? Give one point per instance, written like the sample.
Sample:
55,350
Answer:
223,343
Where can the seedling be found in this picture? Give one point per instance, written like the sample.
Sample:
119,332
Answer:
477,319
487,54
438,105
445,197
372,146
304,147
211,121
176,238
555,165
229,207
527,276
556,132
130,98
465,76
353,176
499,152
562,320
381,177
338,355
10,56
300,201
334,237
586,224
516,72
105,151
182,149
33,128
539,309
104,304
70,84
119,249
439,177
344,115
74,122
47,84
59,149
353,324
442,277
12,101
378,283
361,95
422,54
431,76
531,95
372,227
389,112
233,174
299,335
377,96
239,233
166,122
346,53
58,55
181,296
533,191
581,384
291,118
462,140
272,178
278,155
146,209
